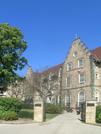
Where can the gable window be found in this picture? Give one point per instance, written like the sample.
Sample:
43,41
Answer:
97,96
97,76
69,66
59,72
82,78
68,81
81,62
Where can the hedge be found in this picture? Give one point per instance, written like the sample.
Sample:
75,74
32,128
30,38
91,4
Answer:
54,109
98,114
9,104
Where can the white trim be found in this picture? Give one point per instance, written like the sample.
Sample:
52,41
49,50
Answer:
79,66
79,78
69,68
66,98
67,82
78,96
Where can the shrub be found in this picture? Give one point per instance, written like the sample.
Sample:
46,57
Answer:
27,106
98,112
1,115
54,109
10,115
26,114
9,104
99,118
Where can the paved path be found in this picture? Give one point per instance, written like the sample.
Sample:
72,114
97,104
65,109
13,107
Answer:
67,123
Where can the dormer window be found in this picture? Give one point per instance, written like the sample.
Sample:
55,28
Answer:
50,75
60,72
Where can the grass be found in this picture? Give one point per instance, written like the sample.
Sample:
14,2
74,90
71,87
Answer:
48,116
51,116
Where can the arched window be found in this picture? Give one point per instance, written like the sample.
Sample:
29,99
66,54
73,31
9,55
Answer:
68,100
81,97
97,96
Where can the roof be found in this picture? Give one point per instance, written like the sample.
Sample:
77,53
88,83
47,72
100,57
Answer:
54,70
97,53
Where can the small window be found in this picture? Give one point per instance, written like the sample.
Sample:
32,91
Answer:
97,96
59,72
68,81
69,66
19,91
97,76
81,78
81,62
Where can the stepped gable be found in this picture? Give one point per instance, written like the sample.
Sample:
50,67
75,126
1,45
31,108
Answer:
54,70
97,53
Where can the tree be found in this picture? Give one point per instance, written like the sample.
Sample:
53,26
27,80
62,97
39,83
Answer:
12,46
40,87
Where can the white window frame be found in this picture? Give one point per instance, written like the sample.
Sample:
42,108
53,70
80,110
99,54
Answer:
97,96
80,78
79,66
96,76
79,97
67,81
49,76
69,66
66,98
59,72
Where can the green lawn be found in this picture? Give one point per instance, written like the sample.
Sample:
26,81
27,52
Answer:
51,116
48,116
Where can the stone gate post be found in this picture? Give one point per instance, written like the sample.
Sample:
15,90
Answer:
90,111
39,110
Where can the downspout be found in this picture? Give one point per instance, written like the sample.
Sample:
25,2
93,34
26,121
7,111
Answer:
94,80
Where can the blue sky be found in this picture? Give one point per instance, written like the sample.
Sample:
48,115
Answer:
49,27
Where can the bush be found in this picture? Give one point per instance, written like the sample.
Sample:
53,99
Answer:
54,109
26,114
99,118
10,115
98,112
27,106
9,104
1,115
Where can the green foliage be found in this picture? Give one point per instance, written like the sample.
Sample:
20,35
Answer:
10,115
27,106
98,114
12,46
26,114
1,115
9,104
54,109
99,118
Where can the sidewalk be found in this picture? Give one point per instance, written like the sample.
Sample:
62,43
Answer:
67,123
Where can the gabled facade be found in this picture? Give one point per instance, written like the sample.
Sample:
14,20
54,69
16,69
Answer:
77,79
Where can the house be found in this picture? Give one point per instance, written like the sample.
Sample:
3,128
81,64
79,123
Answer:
71,82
